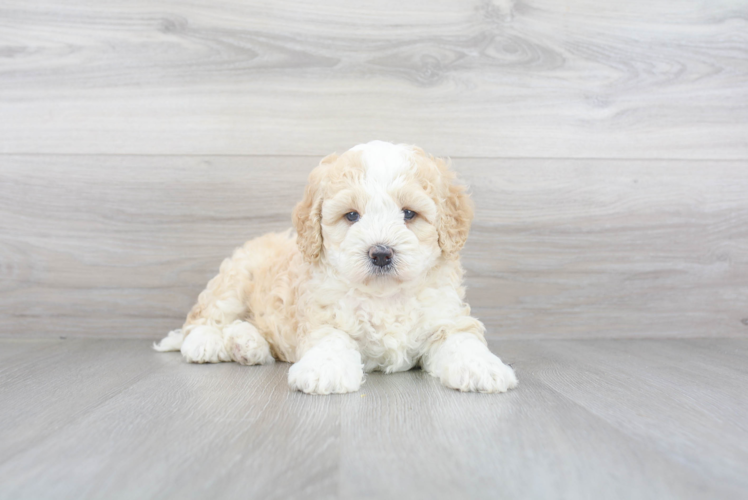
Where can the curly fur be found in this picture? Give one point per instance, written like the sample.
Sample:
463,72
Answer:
313,297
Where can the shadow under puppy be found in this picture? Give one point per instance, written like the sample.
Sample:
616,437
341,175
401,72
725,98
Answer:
370,280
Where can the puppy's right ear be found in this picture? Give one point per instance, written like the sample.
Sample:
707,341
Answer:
307,216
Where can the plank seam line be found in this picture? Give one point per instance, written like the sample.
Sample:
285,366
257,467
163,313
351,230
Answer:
508,158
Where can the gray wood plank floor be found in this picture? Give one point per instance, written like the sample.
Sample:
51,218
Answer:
598,419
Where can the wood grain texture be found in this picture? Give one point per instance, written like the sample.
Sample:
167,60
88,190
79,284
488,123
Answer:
602,419
532,78
104,246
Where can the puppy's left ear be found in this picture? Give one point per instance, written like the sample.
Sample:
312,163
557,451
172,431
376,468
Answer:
455,211
307,216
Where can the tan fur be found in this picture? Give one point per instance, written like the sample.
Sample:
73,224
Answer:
308,212
261,290
455,205
332,172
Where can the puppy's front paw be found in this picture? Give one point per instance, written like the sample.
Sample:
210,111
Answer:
467,365
327,370
478,374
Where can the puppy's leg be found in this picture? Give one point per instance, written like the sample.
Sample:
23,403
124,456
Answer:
462,361
221,304
245,345
205,344
331,365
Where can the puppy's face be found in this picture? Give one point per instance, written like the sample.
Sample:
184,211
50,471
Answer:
382,213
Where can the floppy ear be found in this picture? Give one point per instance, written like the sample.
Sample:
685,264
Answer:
455,211
307,216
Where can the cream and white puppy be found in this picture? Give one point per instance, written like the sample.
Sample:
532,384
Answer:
370,280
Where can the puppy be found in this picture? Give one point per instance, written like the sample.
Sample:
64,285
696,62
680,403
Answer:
370,280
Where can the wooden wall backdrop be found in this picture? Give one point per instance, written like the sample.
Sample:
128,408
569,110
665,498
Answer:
606,143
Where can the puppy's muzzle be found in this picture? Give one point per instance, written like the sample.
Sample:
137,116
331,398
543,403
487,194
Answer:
381,255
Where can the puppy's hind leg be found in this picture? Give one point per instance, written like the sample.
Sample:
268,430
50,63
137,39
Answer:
221,304
245,345
205,344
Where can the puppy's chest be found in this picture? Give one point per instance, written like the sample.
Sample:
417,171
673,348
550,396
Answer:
385,329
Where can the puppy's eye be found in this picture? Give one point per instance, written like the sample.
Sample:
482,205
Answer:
352,216
409,214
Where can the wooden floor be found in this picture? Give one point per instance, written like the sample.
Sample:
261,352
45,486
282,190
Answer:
598,419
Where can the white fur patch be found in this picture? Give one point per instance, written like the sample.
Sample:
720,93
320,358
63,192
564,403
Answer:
172,342
384,161
245,345
205,344
332,366
464,363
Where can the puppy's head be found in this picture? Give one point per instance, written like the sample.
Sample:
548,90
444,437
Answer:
382,212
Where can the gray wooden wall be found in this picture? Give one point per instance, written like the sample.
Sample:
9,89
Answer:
606,143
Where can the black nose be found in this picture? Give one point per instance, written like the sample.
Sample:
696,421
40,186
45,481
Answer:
380,255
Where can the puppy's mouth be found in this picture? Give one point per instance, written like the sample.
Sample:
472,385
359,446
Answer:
386,270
